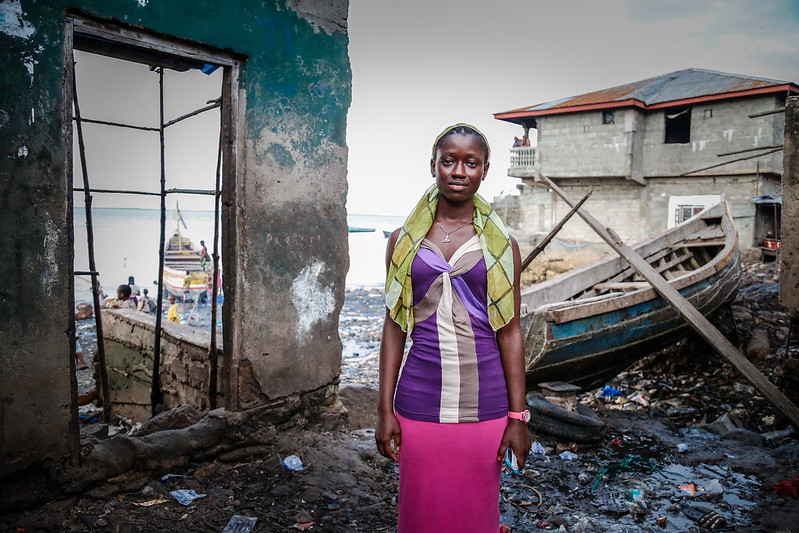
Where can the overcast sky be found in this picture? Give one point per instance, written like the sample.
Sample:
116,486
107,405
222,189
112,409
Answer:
420,65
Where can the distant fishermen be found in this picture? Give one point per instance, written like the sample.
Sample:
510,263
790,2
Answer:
146,305
172,314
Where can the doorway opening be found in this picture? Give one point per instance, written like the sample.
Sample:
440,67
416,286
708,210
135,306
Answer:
153,136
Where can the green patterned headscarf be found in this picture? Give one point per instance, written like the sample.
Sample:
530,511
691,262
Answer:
497,252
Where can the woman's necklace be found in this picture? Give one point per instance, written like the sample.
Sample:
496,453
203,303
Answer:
447,239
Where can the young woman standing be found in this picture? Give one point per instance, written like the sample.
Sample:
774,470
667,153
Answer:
459,402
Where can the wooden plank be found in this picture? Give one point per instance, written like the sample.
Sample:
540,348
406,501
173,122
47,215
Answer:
622,286
551,235
694,318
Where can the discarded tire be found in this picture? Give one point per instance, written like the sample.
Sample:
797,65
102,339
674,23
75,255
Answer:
582,426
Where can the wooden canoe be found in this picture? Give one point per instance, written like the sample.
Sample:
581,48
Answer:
586,326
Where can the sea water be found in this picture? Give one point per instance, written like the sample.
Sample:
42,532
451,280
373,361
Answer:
126,243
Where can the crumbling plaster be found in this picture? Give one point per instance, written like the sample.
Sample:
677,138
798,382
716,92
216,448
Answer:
287,209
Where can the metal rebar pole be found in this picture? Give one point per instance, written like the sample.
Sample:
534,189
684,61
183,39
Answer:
155,390
216,104
212,355
98,317
116,124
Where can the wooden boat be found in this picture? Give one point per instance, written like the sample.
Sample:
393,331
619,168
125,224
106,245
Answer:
586,326
183,262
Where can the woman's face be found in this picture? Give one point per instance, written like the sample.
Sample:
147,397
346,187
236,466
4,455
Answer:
459,167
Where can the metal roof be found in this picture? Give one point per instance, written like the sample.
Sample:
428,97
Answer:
676,88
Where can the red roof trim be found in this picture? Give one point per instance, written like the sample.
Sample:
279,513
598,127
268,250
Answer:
632,102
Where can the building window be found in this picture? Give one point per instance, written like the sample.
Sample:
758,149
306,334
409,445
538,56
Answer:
678,125
684,212
608,117
708,113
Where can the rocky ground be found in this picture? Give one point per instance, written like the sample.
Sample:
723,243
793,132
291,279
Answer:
684,429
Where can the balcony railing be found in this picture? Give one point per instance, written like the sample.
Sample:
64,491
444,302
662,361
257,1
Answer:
522,157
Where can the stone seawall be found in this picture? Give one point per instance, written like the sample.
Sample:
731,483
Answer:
129,342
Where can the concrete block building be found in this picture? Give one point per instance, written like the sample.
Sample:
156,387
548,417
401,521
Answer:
654,152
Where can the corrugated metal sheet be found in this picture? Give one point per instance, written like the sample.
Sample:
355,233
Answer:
675,86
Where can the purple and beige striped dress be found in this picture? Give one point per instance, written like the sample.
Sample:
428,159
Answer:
451,399
453,372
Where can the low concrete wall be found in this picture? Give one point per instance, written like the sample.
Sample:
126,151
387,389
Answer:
129,342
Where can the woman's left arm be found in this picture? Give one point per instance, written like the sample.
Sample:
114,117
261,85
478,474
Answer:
511,351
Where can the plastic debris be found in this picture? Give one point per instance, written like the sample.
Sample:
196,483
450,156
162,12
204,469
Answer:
292,463
303,526
240,524
788,488
634,462
567,455
610,392
538,449
689,488
186,496
714,488
170,476
682,447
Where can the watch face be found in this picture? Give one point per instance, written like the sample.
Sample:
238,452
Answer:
526,414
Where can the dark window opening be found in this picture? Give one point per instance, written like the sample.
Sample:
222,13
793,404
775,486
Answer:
608,117
678,125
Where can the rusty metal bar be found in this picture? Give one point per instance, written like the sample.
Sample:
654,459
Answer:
750,150
764,113
212,355
115,124
731,161
216,103
155,390
98,317
203,192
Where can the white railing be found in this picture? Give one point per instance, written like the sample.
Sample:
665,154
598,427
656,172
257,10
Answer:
522,157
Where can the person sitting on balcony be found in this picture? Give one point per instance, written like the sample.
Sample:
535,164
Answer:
517,142
525,140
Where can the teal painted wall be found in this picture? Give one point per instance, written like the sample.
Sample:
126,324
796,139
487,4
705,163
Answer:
289,223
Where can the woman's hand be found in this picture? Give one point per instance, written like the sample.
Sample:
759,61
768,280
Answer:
388,430
517,438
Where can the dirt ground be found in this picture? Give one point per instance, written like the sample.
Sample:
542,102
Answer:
662,451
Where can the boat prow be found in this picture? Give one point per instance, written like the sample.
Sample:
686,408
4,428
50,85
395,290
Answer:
586,326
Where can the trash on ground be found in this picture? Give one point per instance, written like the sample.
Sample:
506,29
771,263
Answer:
292,463
186,496
240,524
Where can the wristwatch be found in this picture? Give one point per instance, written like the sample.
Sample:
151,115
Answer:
524,416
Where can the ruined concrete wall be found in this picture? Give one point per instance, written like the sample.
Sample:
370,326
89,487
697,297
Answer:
129,342
789,232
289,239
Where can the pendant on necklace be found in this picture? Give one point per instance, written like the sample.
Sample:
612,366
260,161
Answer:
446,239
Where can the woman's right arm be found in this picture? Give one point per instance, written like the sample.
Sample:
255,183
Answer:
392,347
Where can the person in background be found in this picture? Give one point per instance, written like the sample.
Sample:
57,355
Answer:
146,305
517,142
204,257
457,404
172,314
123,295
135,291
525,140
79,348
187,288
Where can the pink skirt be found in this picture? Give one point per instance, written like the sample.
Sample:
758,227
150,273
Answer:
449,476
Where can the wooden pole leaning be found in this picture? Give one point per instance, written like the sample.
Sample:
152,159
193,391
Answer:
694,318
551,235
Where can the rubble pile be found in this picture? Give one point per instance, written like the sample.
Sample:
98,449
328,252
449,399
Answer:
689,444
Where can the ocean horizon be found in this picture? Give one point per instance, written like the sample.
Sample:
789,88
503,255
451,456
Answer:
126,242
